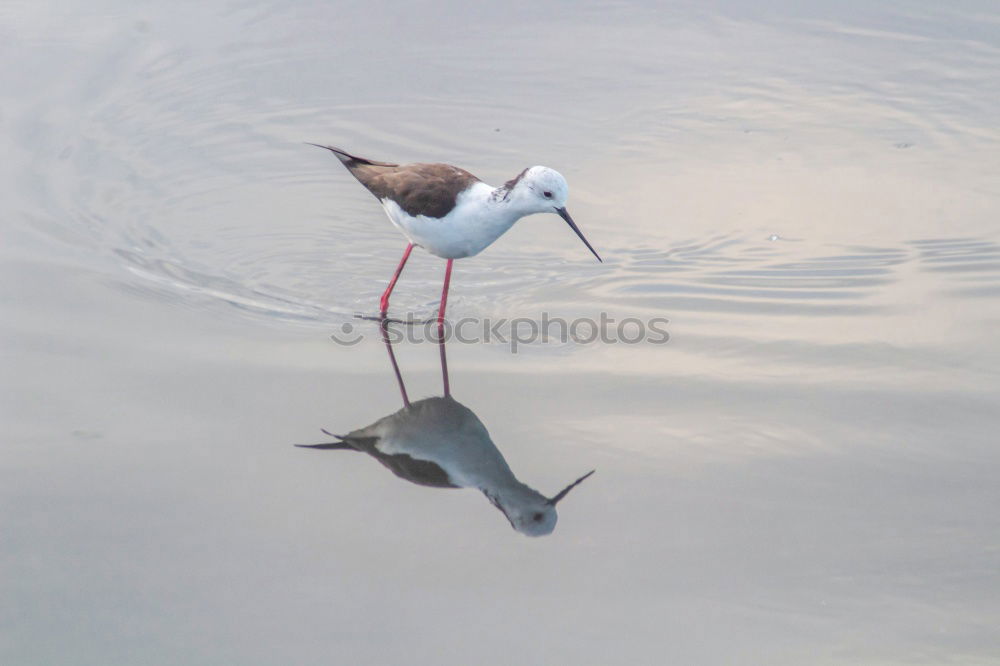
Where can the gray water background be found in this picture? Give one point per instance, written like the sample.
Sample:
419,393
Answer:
806,473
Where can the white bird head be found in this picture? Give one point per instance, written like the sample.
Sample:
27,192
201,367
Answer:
545,186
540,189
528,511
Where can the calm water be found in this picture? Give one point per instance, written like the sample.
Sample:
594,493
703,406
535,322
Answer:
805,473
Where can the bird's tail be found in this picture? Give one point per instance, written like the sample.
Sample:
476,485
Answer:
343,444
351,160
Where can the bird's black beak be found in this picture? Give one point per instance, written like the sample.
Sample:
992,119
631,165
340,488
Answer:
565,491
564,214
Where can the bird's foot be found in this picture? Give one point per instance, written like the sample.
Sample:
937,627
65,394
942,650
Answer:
379,317
386,319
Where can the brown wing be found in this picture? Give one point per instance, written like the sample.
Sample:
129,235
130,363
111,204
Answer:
414,470
419,189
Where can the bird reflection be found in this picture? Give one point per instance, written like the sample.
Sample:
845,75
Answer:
441,443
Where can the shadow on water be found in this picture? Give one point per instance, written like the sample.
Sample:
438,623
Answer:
441,443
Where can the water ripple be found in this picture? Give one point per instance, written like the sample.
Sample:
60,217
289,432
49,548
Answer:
177,169
972,263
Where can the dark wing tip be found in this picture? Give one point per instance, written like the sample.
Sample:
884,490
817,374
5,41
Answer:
329,445
349,159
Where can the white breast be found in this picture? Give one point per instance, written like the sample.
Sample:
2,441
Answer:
441,431
472,225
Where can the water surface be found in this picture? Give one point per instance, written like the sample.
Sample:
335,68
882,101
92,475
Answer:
804,473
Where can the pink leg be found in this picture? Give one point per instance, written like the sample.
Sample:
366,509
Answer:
444,292
395,366
384,303
444,303
444,364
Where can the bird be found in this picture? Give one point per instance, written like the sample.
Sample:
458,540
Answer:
452,214
441,443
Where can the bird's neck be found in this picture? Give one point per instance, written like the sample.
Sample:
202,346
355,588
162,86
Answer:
511,493
504,196
509,203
